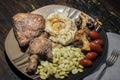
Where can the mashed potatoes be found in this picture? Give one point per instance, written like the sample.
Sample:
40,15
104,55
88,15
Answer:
61,28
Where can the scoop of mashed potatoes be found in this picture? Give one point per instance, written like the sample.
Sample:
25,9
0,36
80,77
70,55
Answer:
61,28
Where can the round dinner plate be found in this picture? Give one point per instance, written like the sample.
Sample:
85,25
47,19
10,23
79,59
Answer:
19,59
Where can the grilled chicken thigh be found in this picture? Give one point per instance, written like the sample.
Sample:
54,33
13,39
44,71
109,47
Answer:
40,47
27,26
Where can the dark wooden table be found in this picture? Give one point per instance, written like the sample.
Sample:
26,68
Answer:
8,8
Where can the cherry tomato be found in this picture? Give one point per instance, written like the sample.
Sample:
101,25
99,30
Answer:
98,41
94,34
95,47
91,55
85,62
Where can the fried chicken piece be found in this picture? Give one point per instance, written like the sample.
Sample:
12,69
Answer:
82,34
27,26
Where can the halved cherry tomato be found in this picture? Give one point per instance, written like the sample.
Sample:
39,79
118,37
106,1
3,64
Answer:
94,34
95,47
91,55
85,62
98,41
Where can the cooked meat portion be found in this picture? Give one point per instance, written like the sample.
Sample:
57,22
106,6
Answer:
33,62
82,34
41,47
27,26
